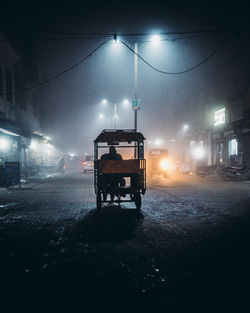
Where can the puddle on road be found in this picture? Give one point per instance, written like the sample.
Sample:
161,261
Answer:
20,189
8,205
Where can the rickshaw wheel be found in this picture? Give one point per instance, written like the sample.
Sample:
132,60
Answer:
98,201
138,201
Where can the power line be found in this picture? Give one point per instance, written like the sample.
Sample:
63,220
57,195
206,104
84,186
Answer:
199,31
181,72
97,48
80,38
173,39
37,38
52,38
86,35
59,74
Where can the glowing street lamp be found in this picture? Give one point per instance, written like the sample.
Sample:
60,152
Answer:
125,103
104,102
4,144
199,153
156,38
34,145
116,42
158,142
115,115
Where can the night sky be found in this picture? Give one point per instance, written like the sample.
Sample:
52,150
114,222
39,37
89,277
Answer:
73,100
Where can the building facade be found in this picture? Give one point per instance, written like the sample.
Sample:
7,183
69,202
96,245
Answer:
18,121
231,134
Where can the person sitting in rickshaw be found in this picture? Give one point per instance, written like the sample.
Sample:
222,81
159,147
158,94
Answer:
113,180
112,155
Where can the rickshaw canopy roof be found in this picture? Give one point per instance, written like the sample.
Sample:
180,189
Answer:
119,135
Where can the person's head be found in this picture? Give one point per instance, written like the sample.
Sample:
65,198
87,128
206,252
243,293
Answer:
112,150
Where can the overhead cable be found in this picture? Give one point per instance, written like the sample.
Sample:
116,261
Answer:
183,32
140,57
180,72
85,35
59,74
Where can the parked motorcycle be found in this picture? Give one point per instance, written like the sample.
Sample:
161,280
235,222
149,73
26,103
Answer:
231,173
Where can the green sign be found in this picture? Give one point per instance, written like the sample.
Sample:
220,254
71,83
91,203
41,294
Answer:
135,104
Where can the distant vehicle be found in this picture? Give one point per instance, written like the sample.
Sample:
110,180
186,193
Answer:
158,162
88,164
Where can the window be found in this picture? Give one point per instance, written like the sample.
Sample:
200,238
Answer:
220,117
233,147
9,86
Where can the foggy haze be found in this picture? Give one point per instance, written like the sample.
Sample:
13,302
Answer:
157,211
73,100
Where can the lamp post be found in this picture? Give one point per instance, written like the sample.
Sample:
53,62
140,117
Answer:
115,116
154,38
115,112
135,83
135,103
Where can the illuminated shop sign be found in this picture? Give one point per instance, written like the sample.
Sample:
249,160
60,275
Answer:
219,117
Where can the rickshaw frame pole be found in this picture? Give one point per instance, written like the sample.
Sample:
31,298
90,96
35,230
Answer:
135,87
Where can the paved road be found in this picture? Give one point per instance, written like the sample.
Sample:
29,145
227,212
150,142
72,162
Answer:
190,241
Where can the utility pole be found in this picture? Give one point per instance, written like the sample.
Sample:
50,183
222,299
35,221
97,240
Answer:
135,88
115,110
135,82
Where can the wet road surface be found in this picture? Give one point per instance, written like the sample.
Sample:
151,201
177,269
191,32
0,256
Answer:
189,243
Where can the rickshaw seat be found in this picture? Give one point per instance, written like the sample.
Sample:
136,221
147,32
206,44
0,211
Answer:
119,166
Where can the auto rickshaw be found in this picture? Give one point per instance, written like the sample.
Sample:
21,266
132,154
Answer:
158,162
109,174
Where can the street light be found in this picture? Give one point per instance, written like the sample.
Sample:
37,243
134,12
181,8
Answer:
33,145
4,144
199,153
125,103
158,142
154,38
115,115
